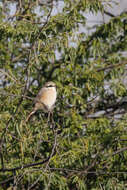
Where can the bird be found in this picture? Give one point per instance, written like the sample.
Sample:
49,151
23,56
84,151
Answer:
45,99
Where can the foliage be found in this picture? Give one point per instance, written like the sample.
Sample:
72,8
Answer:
87,147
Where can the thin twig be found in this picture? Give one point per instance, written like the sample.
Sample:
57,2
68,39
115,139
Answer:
24,166
14,95
111,66
109,14
53,151
8,75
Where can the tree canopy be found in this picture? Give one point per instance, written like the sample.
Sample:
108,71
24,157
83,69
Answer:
86,147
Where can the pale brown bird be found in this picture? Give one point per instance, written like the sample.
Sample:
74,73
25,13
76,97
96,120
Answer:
45,99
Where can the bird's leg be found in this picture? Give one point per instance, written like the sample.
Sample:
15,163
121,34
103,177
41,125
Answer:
53,123
48,117
50,120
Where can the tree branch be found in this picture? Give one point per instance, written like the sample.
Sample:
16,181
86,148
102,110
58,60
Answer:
109,14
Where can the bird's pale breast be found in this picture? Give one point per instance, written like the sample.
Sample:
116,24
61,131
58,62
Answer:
47,97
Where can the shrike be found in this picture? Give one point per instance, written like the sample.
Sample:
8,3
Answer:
45,99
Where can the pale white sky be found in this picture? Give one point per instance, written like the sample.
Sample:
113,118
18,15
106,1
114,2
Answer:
117,7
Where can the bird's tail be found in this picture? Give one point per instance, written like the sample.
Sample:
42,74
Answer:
30,114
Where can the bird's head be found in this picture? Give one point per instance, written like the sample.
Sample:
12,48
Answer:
50,84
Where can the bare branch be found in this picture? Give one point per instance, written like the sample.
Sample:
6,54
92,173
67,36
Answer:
111,66
109,14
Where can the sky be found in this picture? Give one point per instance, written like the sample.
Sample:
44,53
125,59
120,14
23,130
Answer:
118,6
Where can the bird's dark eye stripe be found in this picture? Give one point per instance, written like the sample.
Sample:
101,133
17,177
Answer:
51,86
